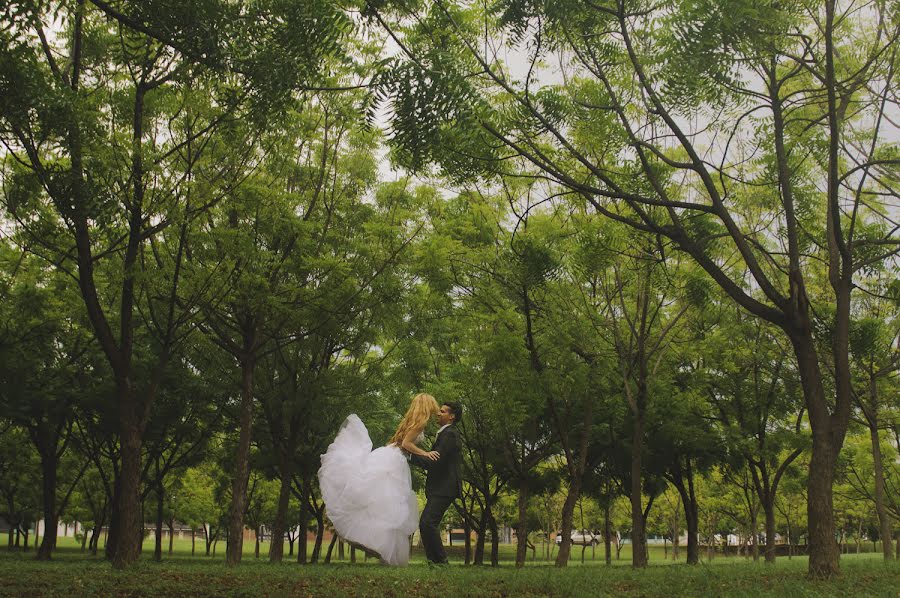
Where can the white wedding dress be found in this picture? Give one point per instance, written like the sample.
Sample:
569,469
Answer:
368,494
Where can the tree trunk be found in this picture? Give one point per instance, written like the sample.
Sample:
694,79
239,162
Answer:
334,539
276,551
193,542
112,530
576,475
51,517
607,533
302,544
522,525
94,542
160,497
479,543
568,513
683,480
754,533
638,536
256,539
235,547
495,539
769,510
171,535
467,530
824,553
320,535
130,528
884,521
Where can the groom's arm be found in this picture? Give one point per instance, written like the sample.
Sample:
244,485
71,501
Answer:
447,445
421,461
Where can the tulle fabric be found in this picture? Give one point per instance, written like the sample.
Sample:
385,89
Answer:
368,494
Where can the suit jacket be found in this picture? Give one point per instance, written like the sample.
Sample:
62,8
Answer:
443,477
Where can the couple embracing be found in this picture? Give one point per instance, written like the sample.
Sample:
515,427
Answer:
369,493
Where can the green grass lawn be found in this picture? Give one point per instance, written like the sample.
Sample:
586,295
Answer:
73,574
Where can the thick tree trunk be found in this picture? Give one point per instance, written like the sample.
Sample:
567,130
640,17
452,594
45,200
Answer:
160,498
235,546
320,535
522,525
638,536
112,530
568,513
479,543
824,553
495,539
94,542
276,551
684,482
129,533
607,535
171,536
304,522
334,539
769,510
576,474
51,517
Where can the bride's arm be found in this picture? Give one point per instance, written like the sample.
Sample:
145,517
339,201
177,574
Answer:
408,444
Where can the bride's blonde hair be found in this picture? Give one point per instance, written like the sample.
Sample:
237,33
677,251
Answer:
423,407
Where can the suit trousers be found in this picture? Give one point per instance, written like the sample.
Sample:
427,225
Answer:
429,524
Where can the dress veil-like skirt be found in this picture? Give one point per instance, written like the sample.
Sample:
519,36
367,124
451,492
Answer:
368,494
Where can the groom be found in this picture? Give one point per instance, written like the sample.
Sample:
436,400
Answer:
443,484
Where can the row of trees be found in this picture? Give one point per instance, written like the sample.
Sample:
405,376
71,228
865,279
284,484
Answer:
669,255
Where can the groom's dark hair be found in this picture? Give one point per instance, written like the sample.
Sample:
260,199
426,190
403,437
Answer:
456,409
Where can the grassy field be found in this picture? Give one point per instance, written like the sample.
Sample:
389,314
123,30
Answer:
74,574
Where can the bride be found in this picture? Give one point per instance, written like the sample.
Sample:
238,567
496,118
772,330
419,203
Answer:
368,493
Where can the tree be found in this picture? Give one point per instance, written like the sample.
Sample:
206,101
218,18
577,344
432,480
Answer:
754,394
632,297
800,144
149,62
874,341
46,358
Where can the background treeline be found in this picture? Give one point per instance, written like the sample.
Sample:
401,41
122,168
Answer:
653,253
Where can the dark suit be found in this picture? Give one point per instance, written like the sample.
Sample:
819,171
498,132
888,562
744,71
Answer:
442,486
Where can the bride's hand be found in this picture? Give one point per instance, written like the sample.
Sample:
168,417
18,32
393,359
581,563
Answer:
433,455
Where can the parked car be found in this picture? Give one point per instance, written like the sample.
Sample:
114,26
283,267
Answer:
581,537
